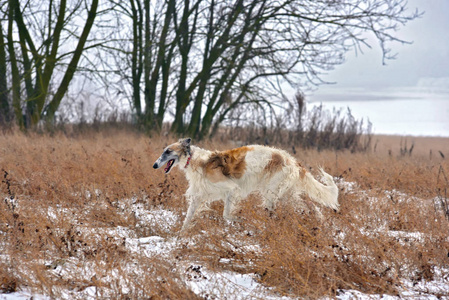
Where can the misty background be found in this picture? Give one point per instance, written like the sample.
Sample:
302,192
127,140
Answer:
408,95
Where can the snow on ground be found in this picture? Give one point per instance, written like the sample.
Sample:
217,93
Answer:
217,285
226,285
22,295
424,290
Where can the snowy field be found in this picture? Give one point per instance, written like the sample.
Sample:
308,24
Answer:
206,283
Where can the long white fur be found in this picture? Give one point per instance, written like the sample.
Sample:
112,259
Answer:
290,182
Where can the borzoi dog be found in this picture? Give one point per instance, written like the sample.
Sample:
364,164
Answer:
232,175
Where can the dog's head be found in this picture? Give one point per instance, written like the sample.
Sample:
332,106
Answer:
172,154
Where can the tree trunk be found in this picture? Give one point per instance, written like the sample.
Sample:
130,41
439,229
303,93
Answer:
5,114
54,104
14,69
182,100
150,101
147,61
164,87
31,110
136,57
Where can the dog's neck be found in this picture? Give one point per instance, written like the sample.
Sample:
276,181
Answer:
190,154
188,160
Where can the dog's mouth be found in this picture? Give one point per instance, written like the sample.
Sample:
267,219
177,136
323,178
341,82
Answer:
169,165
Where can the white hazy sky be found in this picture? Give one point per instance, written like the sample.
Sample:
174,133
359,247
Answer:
409,95
426,57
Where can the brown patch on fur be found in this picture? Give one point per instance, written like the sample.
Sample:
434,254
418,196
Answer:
226,164
275,164
213,168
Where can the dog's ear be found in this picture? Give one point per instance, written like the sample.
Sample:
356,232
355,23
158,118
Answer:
186,142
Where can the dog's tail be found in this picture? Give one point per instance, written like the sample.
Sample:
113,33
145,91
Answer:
326,195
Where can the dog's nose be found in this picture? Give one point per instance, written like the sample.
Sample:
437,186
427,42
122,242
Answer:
155,166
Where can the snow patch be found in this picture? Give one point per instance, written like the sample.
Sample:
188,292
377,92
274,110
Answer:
225,285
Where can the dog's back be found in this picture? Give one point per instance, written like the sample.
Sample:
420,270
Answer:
273,173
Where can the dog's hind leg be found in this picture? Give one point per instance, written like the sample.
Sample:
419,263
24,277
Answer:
194,204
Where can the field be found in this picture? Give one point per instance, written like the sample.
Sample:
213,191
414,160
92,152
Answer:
84,216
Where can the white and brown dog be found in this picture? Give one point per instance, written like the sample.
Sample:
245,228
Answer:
232,175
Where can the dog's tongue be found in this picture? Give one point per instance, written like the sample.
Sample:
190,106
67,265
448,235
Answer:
170,162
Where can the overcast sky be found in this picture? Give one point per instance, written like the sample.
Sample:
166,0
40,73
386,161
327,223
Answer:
409,95
427,57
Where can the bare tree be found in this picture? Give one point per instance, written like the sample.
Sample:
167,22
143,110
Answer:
143,49
262,43
45,57
294,41
198,60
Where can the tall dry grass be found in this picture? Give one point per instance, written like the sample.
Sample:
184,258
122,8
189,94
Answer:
66,199
53,187
298,127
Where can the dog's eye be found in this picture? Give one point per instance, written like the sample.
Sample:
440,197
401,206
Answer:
168,151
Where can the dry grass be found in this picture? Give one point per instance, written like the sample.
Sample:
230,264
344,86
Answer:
68,212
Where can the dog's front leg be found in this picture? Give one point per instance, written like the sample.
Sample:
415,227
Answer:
194,204
228,209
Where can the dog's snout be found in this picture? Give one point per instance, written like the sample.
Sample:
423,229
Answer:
155,166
